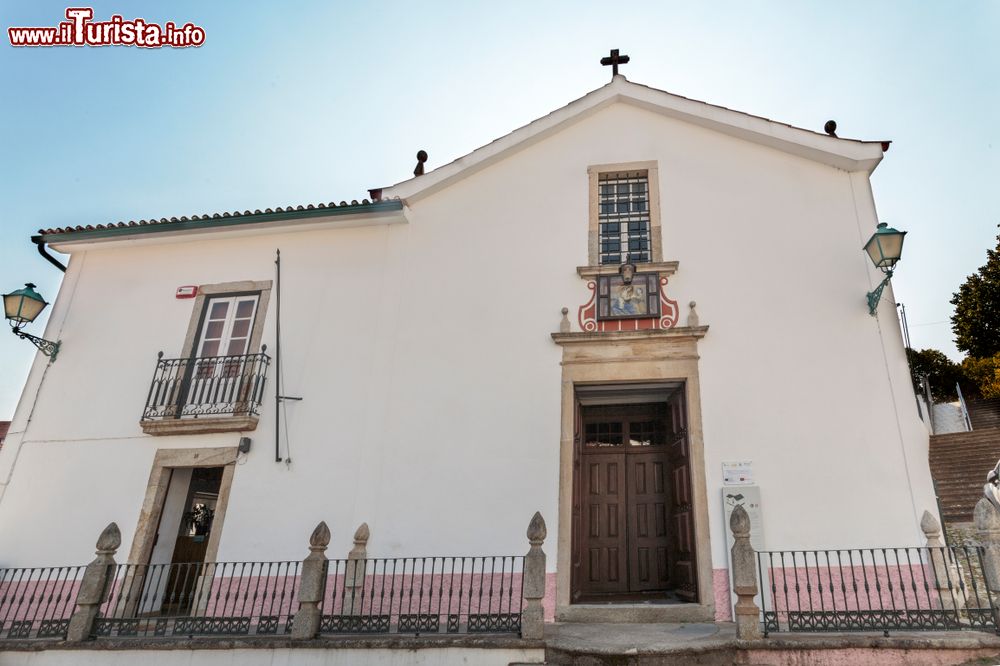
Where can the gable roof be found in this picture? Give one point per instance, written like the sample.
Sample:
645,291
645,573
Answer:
846,154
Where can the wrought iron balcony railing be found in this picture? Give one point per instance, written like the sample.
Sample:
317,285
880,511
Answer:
207,386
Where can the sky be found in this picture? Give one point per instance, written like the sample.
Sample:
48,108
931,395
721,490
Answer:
297,103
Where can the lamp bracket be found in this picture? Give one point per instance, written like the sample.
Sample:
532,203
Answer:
47,347
875,295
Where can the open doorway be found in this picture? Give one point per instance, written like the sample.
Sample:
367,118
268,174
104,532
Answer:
187,516
633,524
177,560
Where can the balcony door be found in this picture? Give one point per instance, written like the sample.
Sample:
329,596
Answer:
226,326
220,365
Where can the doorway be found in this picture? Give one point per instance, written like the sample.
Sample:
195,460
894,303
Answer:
633,525
177,560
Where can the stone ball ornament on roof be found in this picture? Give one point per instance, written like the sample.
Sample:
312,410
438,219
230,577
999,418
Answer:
421,159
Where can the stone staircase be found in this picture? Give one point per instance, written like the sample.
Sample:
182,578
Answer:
959,462
984,414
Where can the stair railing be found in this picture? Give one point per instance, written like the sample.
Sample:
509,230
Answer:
965,409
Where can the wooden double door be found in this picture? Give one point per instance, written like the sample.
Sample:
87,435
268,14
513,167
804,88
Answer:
633,519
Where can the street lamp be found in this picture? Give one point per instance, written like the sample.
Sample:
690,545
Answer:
22,307
885,247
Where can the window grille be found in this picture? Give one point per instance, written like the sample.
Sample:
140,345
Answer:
623,217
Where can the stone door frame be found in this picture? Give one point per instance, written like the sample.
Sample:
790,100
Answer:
156,492
654,356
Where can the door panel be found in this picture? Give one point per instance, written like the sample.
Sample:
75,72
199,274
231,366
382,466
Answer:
682,545
603,521
647,507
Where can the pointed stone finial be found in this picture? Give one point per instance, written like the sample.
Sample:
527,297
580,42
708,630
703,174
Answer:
930,525
739,522
537,530
991,490
692,315
110,540
320,537
361,535
564,323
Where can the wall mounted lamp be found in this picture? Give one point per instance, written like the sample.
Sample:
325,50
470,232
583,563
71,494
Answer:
885,247
22,307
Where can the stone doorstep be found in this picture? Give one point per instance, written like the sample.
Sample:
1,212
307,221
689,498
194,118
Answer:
713,644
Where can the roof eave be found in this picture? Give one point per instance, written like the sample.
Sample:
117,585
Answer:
342,216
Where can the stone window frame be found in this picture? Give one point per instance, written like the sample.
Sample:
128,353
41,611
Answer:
652,173
164,461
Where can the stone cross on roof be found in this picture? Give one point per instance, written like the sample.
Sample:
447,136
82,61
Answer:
614,60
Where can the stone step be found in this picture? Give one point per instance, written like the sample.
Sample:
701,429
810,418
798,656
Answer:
984,413
963,442
985,445
992,452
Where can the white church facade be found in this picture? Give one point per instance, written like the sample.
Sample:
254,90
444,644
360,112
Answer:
465,349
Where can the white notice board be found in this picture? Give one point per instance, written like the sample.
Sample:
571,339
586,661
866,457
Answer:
737,473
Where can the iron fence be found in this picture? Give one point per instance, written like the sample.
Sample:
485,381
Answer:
421,595
424,595
200,599
38,602
876,589
207,386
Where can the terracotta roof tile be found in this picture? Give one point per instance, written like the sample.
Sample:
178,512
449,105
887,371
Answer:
205,217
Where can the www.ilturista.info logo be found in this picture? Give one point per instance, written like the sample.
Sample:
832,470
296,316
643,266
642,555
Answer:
80,30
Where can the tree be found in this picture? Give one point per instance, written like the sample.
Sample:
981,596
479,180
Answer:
944,373
976,321
985,372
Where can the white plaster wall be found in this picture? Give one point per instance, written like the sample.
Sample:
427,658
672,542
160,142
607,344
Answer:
276,657
430,383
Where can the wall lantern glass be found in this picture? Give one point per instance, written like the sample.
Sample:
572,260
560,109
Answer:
884,248
23,307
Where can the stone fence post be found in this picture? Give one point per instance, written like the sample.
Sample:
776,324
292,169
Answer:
533,583
95,585
987,518
354,571
946,579
312,585
744,576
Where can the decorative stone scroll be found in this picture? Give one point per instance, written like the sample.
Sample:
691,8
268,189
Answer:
589,323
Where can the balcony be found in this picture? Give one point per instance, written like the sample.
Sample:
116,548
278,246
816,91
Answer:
208,394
